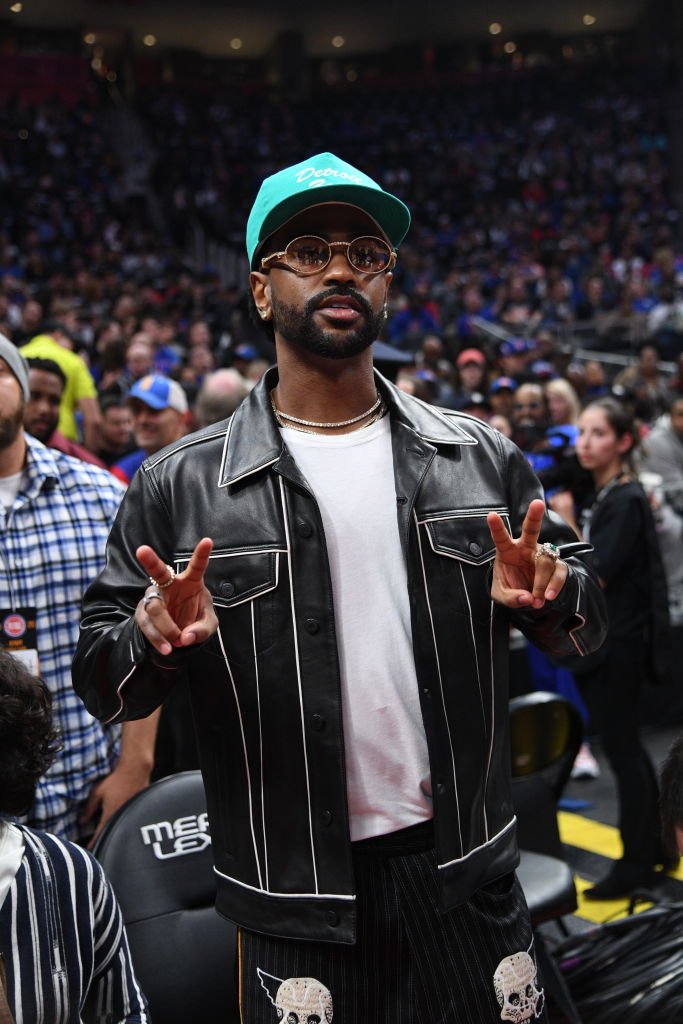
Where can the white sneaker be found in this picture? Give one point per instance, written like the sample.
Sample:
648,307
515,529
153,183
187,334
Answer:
585,766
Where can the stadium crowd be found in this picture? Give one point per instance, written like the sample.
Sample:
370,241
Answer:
544,239
543,227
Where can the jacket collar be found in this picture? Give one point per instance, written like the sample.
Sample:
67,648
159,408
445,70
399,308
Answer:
253,440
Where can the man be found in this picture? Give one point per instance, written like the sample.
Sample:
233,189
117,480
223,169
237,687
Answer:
55,514
242,358
46,385
329,606
647,382
501,396
116,430
514,356
80,394
529,416
159,408
220,394
662,452
139,358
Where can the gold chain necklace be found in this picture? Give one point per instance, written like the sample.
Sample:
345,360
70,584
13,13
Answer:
377,411
325,426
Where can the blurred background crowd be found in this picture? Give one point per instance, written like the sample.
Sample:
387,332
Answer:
543,269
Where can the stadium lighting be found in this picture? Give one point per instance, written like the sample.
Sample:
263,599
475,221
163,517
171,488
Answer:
589,19
495,28
149,40
17,8
337,41
510,47
236,43
90,38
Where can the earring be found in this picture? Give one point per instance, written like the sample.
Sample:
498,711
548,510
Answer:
264,312
385,313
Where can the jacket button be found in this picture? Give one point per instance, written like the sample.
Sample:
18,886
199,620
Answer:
318,722
426,691
326,817
441,788
312,626
227,589
475,548
304,529
332,918
401,499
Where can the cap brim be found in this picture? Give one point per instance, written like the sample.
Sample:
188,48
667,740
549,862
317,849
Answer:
391,215
153,403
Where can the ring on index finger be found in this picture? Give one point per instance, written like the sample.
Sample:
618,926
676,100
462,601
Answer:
550,550
166,583
155,595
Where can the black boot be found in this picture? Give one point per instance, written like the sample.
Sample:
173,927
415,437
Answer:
622,880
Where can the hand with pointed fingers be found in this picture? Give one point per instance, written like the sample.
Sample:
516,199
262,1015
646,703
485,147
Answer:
176,611
525,573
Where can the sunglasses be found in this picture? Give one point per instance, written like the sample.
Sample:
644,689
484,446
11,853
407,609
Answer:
310,254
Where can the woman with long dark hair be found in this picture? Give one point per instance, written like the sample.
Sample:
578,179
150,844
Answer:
617,520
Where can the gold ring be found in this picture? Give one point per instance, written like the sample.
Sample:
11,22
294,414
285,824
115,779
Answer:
163,586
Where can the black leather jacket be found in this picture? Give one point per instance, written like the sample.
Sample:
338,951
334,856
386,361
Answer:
266,689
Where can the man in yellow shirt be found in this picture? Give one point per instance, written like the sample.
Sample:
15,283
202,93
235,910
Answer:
80,392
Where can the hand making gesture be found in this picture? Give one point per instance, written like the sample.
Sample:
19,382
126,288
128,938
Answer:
176,610
525,573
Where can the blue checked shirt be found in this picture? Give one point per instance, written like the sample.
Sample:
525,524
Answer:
52,545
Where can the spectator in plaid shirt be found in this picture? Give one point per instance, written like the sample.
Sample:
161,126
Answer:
55,516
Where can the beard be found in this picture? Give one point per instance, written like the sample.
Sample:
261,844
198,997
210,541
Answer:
299,327
10,425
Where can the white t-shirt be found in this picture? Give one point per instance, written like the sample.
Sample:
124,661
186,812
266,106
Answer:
387,766
11,856
9,488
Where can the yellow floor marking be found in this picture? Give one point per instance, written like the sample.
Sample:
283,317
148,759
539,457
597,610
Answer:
596,837
576,830
599,911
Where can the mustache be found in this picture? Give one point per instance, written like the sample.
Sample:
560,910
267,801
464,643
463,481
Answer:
341,291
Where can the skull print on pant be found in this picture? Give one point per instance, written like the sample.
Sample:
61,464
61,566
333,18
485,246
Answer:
298,1000
517,989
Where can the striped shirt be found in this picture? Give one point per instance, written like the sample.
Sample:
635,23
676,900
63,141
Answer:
52,545
63,940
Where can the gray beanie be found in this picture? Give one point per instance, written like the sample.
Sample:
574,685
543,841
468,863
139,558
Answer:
16,362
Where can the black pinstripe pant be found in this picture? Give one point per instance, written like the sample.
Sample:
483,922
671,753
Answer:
410,964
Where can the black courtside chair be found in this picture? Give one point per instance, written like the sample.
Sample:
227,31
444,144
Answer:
156,851
546,731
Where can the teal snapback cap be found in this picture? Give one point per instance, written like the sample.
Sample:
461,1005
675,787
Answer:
322,179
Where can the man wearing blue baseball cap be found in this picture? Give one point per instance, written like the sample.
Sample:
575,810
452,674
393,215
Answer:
334,570
159,408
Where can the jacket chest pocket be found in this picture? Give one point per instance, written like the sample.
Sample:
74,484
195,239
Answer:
245,587
459,551
464,535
